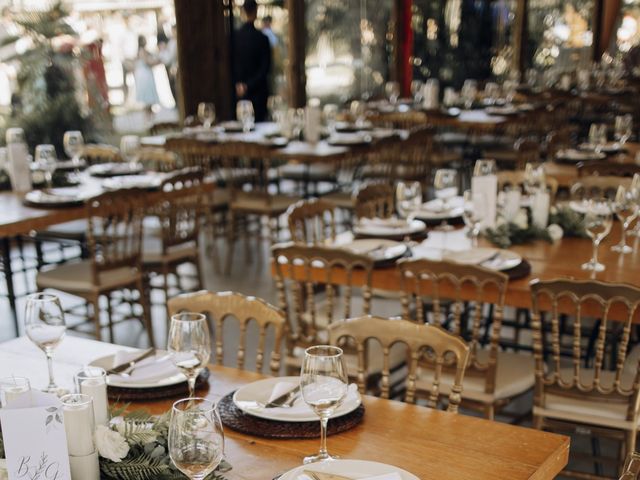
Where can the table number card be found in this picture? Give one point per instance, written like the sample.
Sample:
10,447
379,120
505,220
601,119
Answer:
34,438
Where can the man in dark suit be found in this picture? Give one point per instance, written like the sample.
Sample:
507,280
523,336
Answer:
252,62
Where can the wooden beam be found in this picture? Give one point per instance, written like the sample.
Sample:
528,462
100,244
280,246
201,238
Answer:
402,45
204,55
295,64
520,34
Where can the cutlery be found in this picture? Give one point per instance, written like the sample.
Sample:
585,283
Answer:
129,371
285,400
130,364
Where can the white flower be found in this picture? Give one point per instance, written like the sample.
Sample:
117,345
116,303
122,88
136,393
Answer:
555,232
553,210
111,444
4,475
521,220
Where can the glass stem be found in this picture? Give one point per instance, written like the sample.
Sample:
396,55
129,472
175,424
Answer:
52,382
192,385
623,239
324,420
594,260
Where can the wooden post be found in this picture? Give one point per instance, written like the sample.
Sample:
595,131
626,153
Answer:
520,34
204,55
402,45
295,66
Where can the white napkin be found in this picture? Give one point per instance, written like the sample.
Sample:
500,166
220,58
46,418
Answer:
147,370
322,475
299,405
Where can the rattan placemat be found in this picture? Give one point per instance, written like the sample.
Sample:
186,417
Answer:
126,394
522,270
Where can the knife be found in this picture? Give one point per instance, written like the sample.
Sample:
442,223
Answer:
282,399
123,366
324,476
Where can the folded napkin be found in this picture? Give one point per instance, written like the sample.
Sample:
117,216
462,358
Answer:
383,222
150,369
475,256
299,406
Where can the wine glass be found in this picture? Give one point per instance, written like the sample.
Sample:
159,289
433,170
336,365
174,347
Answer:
392,89
473,213
73,142
324,384
189,345
623,128
625,207
357,110
445,184
44,324
130,148
534,178
597,223
206,114
408,197
417,87
196,437
469,93
45,157
298,122
484,167
245,114
330,114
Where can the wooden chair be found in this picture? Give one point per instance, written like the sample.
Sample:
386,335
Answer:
421,340
312,222
586,381
607,169
597,186
515,178
157,159
175,241
494,377
523,151
219,306
375,200
160,128
415,155
631,470
114,240
94,153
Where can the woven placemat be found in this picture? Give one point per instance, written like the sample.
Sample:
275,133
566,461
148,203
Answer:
126,394
522,270
237,420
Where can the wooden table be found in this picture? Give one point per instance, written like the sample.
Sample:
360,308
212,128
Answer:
431,444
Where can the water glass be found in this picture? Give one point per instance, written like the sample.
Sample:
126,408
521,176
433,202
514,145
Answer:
392,89
358,110
623,128
469,93
324,385
473,213
196,437
45,326
12,388
484,167
46,159
534,178
130,147
408,197
206,113
598,220
450,97
189,344
625,206
73,142
417,87
330,114
445,184
245,114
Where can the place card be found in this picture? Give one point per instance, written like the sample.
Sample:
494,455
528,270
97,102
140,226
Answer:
34,437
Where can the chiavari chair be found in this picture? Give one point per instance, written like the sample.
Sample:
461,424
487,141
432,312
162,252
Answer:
598,186
516,178
607,169
631,470
312,222
157,159
218,307
94,153
375,200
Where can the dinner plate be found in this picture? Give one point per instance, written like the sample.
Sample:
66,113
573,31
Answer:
132,181
574,155
580,206
107,362
392,227
248,397
610,147
232,126
56,197
349,139
348,468
115,168
380,249
434,210
347,127
506,110
491,258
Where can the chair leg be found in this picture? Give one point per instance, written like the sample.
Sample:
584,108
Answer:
110,317
231,239
165,284
146,312
200,284
95,307
489,412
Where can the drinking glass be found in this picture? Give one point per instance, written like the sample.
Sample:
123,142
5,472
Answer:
623,128
469,93
324,384
491,92
531,78
445,184
357,110
597,223
392,89
73,141
12,388
625,206
196,437
298,122
450,97
417,91
206,114
45,157
245,114
44,324
189,344
484,167
473,214
534,178
408,197
330,113
130,148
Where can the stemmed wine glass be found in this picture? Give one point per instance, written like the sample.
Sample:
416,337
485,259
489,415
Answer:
189,344
408,197
597,223
445,184
469,93
206,114
324,385
625,207
417,91
45,157
392,89
196,437
130,149
73,142
245,114
44,324
534,178
623,128
330,114
473,214
358,111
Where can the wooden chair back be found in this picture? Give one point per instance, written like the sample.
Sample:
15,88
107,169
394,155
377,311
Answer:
515,178
160,128
598,186
527,151
157,159
414,157
375,200
563,366
191,153
430,341
316,284
446,280
631,470
94,153
114,236
312,222
607,169
219,306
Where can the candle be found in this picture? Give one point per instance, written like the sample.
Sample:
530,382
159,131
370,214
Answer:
540,209
92,381
85,468
11,388
78,423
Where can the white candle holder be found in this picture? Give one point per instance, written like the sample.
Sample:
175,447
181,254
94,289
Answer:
79,424
13,387
85,468
92,381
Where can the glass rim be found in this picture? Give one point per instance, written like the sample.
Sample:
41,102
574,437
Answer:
188,317
213,406
85,372
42,297
79,399
14,380
338,351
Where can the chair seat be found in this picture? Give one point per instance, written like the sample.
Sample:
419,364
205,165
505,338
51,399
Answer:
341,199
219,198
153,255
259,204
77,277
314,172
514,376
75,231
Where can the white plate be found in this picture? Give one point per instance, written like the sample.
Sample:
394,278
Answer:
348,468
432,210
391,228
131,181
573,155
349,139
610,147
492,258
107,363
115,168
580,206
248,396
380,249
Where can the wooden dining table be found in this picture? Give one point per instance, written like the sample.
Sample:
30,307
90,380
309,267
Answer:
431,444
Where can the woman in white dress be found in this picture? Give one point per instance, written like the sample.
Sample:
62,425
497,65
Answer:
146,92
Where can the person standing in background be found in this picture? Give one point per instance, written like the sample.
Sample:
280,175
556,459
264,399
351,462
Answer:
252,62
168,55
146,92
